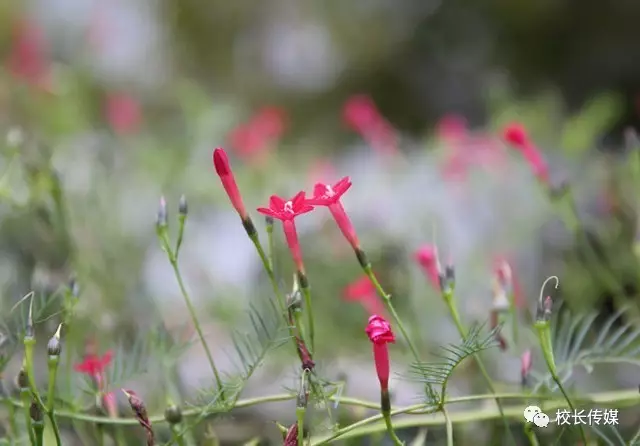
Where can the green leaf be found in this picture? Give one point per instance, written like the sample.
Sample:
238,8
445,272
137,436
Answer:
435,375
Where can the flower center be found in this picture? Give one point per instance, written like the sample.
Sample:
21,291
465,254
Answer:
288,207
328,192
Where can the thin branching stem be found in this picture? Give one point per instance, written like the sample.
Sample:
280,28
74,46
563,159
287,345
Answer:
448,425
196,324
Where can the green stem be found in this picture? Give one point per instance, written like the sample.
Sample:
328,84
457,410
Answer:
387,422
306,292
196,323
387,300
38,429
274,284
300,411
373,424
13,426
453,310
531,435
177,438
25,396
52,362
544,336
271,246
449,426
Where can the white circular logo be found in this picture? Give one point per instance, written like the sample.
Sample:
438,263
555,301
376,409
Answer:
541,419
530,412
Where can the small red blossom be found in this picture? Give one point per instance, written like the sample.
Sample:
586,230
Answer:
252,140
28,58
122,112
329,196
361,114
452,128
508,279
516,135
526,364
364,292
427,258
286,211
223,169
94,365
380,334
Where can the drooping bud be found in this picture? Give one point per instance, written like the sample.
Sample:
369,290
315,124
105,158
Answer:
53,346
305,356
173,414
183,208
140,410
544,309
291,439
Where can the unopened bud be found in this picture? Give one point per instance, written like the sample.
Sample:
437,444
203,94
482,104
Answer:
544,309
35,412
183,208
291,439
294,301
22,380
269,221
73,287
161,220
525,366
303,393
173,414
53,346
450,273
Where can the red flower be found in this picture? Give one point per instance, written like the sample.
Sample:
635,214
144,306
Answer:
123,113
360,113
427,258
325,195
379,332
452,128
94,365
516,135
286,211
364,292
28,57
223,169
110,404
253,138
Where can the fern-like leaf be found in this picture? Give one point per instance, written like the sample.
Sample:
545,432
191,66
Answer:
435,375
577,343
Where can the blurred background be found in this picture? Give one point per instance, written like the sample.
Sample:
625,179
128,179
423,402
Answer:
105,106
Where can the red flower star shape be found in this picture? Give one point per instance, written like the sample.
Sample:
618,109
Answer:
94,365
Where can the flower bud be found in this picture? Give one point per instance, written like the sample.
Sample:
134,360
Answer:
73,287
173,414
183,208
544,310
22,381
53,346
161,220
269,221
35,412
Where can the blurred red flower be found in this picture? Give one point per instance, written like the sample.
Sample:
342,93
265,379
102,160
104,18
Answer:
123,113
427,258
28,55
252,139
516,135
365,293
361,114
94,365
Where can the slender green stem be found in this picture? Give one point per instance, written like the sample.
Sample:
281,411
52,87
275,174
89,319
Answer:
196,324
544,336
25,397
300,411
449,426
387,422
271,246
448,297
100,435
13,426
387,300
274,284
531,435
51,392
38,429
177,437
433,417
306,292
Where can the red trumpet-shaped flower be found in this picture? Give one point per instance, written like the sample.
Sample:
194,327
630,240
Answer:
28,58
287,211
329,196
363,291
223,169
380,334
516,135
427,258
526,364
253,139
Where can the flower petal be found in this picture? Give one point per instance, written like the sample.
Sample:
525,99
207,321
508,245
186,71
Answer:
268,212
342,186
276,203
319,190
298,200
